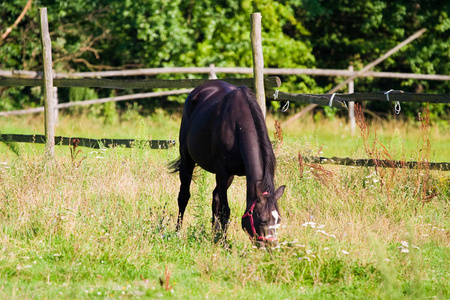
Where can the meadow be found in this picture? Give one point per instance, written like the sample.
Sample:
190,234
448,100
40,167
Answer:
100,223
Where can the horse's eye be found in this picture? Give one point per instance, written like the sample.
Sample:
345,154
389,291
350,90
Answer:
264,223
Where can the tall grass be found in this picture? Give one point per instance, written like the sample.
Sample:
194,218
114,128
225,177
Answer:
101,223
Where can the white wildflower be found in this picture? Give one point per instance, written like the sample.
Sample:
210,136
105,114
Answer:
306,257
323,232
312,224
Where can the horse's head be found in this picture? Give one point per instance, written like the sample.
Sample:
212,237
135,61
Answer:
262,219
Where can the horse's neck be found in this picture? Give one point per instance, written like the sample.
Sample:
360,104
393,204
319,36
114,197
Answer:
253,160
251,153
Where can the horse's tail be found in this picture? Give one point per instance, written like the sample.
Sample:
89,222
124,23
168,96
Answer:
174,165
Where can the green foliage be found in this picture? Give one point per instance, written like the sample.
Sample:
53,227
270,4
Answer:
80,94
358,32
99,35
131,112
109,113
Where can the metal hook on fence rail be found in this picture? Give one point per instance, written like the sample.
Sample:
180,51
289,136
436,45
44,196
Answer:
275,95
387,94
275,98
397,107
285,107
330,104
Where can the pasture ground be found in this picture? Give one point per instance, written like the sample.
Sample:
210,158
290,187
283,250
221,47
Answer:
101,223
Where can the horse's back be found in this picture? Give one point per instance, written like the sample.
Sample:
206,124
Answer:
205,97
199,119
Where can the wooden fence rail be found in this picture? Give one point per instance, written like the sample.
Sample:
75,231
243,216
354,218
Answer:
443,166
223,70
86,142
96,101
269,82
338,99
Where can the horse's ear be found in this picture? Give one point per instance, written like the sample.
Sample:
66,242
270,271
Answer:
259,193
279,192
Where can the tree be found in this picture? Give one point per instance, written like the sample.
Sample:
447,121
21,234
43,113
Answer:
358,31
100,34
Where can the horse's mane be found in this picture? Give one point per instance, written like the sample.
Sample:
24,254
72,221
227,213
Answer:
265,144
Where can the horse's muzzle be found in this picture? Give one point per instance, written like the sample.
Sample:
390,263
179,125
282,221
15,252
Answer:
268,239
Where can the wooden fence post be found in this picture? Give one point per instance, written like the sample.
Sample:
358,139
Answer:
50,106
55,100
258,61
212,73
351,105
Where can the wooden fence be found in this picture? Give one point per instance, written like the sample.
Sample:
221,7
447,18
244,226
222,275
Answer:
212,69
91,143
346,161
48,80
393,96
145,84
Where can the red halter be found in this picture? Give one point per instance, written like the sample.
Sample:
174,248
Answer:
249,214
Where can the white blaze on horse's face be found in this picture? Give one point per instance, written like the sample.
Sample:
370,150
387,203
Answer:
273,228
276,216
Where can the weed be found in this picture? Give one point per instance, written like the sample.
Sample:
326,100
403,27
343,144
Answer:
393,176
166,281
14,147
278,137
75,161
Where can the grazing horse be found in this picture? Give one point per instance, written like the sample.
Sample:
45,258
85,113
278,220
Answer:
224,132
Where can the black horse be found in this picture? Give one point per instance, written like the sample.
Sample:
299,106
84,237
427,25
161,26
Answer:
223,131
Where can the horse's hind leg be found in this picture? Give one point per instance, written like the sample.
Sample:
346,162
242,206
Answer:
220,208
187,166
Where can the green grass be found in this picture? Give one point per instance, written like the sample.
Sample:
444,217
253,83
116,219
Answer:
106,229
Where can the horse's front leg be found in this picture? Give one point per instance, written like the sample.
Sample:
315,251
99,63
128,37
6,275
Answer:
220,208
